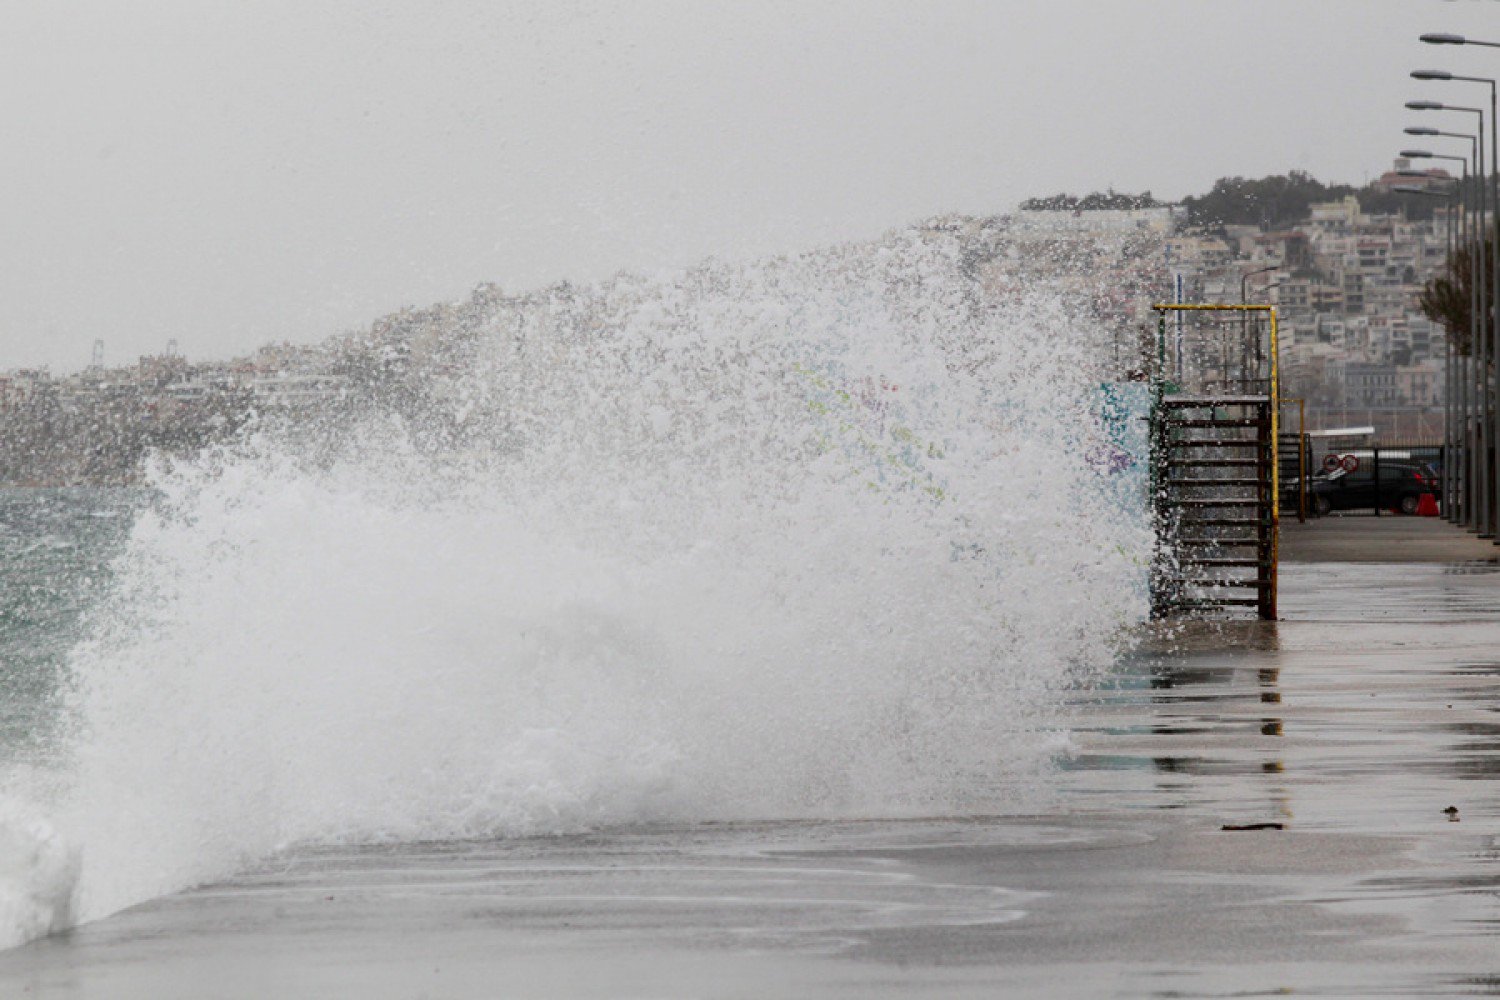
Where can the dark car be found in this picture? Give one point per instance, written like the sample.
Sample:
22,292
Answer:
1401,487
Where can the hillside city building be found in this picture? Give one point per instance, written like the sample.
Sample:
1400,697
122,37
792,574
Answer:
1354,344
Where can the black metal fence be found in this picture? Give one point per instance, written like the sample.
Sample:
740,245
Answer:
1361,477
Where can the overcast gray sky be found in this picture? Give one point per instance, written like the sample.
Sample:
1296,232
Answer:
227,174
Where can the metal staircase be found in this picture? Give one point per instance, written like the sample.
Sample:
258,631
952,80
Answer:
1215,480
1215,495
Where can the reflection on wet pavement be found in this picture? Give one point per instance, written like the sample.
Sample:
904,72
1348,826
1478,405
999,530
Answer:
1373,710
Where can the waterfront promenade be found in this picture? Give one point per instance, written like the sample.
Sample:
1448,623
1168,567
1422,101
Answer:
1337,739
1389,539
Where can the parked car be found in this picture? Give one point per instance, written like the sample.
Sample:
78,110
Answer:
1401,487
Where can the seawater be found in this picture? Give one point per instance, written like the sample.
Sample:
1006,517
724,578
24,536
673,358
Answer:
825,536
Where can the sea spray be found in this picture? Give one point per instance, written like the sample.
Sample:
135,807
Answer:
813,537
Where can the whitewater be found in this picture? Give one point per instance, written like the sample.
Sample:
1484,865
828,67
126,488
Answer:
815,537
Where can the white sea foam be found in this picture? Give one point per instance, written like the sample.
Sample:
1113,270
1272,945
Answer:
38,873
816,537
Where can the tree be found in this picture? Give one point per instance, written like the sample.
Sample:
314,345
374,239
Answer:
1446,298
1092,202
1273,202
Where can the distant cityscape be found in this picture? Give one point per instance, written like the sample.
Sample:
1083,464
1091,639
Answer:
1355,345
94,426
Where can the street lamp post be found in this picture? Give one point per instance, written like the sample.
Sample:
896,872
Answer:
1451,371
1489,371
1246,353
1448,486
1477,514
1480,352
1471,496
1451,39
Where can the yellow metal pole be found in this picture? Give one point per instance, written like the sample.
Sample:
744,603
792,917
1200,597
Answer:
1270,611
1302,461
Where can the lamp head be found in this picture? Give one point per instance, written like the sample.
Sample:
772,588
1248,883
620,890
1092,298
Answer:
1431,74
1416,154
1424,106
1420,130
1441,38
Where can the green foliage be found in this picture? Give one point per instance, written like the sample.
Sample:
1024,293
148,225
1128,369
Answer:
1446,298
1275,202
1091,202
1381,201
1282,201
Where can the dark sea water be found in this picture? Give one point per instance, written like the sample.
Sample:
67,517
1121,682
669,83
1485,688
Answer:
56,546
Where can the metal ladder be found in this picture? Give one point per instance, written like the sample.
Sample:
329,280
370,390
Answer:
1214,499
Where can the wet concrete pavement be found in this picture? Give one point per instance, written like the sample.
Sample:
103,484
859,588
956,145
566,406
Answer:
1353,725
1390,538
